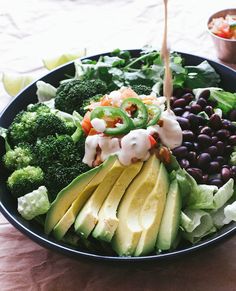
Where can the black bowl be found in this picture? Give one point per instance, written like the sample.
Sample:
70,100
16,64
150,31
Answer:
8,203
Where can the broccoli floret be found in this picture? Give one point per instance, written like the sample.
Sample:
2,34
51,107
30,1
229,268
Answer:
61,160
39,108
88,101
19,157
142,89
22,128
49,124
38,122
70,95
52,149
34,203
25,180
57,176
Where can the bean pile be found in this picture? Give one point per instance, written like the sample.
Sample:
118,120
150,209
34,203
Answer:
207,142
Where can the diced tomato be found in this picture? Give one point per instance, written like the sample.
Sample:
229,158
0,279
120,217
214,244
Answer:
86,123
224,34
93,131
152,140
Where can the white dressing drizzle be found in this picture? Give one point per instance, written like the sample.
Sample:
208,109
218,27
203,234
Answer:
107,145
134,145
170,132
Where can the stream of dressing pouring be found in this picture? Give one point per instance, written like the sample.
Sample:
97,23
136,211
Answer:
165,53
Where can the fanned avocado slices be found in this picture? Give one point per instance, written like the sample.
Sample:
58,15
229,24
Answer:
107,217
129,229
88,216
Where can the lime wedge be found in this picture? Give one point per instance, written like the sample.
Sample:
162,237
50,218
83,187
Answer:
14,83
53,62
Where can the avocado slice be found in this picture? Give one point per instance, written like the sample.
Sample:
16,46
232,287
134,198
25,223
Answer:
129,230
107,218
83,185
151,214
171,218
88,216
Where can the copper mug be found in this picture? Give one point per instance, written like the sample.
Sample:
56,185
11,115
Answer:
225,48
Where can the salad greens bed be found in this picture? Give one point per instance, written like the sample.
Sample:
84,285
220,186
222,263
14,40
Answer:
44,145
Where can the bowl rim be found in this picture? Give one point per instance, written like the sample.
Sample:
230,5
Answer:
212,16
50,243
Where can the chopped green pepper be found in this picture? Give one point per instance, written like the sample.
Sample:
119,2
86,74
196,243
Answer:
140,117
111,115
154,114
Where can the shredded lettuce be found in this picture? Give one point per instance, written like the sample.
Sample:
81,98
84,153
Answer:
34,203
45,91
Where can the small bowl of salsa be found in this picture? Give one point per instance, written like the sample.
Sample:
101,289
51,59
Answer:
222,28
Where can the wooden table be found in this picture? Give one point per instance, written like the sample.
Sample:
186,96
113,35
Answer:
37,29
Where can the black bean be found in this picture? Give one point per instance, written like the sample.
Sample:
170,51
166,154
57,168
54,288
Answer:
172,100
178,111
226,166
188,108
214,167
206,130
188,145
221,160
205,94
215,122
179,103
214,139
185,114
203,160
215,181
223,134
188,97
184,163
212,103
196,108
225,174
232,140
220,147
205,178
192,157
212,150
194,120
202,102
209,110
204,140
226,124
196,174
180,152
202,120
183,122
233,172
228,150
197,147
232,115
188,135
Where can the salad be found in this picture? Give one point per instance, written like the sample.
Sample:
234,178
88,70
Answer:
102,164
224,27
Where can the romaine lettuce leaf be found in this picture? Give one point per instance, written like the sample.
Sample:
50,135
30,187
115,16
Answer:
45,91
225,100
196,224
201,76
